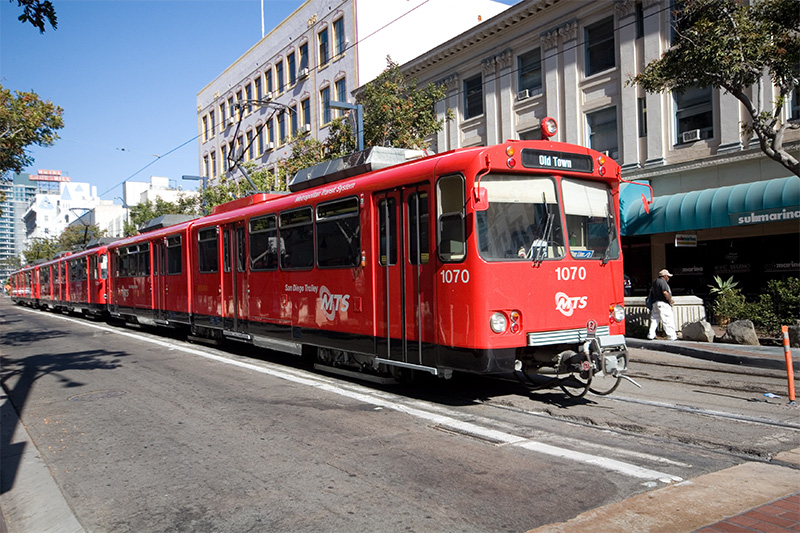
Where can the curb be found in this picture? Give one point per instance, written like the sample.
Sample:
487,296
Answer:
717,355
690,505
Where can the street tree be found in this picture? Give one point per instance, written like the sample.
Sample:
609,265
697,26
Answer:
25,120
41,248
143,212
38,13
77,236
730,45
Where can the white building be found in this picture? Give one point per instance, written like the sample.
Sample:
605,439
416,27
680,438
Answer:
50,213
319,54
721,206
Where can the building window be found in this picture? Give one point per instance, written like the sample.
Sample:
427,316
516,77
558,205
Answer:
232,109
303,56
213,122
257,83
694,115
223,117
794,112
600,50
639,20
341,94
224,158
248,95
338,34
250,148
293,119
260,135
213,164
268,74
473,97
325,101
306,106
291,66
324,54
239,108
279,77
205,128
281,128
529,66
270,135
642,108
603,131
205,165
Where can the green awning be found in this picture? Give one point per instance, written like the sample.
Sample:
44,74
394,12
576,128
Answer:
760,202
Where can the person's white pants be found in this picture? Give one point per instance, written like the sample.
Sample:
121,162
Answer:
662,312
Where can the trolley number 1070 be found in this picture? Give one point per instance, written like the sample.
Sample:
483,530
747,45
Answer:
570,273
455,275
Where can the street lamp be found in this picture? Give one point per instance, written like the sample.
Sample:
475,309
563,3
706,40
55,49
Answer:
359,109
203,184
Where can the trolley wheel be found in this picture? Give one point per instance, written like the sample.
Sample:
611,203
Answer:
576,385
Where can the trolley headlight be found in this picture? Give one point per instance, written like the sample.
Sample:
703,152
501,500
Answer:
498,322
618,313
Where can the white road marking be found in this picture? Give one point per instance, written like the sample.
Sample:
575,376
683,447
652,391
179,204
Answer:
381,400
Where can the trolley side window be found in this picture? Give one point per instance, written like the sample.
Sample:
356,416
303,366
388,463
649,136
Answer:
144,259
387,226
591,227
418,228
264,243
103,266
240,250
338,234
451,217
174,255
207,254
297,238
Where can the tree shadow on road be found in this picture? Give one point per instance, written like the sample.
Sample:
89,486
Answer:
17,378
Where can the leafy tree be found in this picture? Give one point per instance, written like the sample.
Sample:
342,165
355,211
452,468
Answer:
38,12
142,213
25,120
41,248
729,45
77,236
398,113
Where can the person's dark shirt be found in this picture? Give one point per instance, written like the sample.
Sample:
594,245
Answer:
657,291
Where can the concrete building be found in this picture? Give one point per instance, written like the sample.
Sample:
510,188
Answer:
19,191
49,213
721,206
319,54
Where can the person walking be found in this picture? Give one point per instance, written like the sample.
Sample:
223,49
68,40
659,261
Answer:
661,310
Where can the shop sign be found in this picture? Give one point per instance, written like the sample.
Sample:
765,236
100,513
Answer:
685,240
765,215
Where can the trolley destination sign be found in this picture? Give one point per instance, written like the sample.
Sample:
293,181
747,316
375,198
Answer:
557,160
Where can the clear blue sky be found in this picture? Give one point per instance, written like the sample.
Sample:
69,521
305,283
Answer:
127,74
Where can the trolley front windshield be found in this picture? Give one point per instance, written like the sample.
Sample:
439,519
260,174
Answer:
523,221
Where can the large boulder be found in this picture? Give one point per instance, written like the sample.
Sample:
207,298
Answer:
794,335
700,331
740,332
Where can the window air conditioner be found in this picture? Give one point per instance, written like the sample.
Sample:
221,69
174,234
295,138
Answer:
690,136
306,128
522,95
270,146
303,73
268,96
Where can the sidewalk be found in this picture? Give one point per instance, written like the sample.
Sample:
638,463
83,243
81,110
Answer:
771,357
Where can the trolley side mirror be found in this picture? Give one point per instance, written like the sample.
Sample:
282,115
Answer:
480,199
